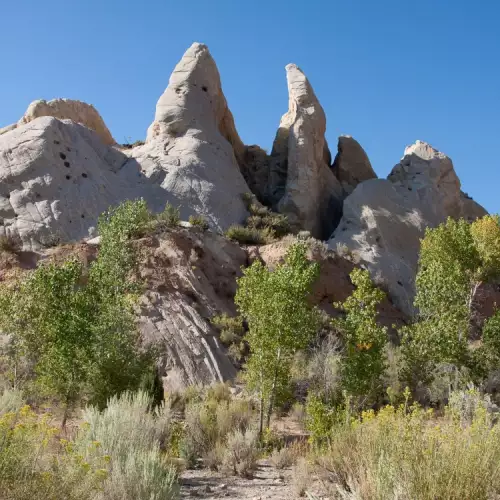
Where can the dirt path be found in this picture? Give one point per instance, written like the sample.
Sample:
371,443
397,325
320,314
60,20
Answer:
267,483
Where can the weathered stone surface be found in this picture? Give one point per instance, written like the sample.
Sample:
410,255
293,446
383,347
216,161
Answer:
192,145
383,220
351,165
8,128
57,177
69,109
190,278
301,182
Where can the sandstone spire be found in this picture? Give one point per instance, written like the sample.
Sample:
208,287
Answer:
301,182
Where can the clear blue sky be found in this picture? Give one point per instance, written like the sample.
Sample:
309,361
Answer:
387,72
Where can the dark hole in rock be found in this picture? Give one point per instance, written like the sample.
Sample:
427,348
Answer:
205,89
399,283
68,177
63,156
410,189
56,142
68,149
37,195
66,164
84,175
83,216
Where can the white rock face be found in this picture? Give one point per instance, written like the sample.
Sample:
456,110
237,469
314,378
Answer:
383,220
192,145
69,109
301,182
57,177
351,165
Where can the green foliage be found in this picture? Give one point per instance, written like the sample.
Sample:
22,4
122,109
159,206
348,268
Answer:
169,218
408,452
231,328
77,328
198,221
261,227
130,435
35,465
320,418
363,361
455,259
280,320
249,235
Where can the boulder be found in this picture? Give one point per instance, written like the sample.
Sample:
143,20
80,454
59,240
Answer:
69,109
192,146
383,220
351,165
301,182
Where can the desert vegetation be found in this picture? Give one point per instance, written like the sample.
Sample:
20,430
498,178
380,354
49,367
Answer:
84,416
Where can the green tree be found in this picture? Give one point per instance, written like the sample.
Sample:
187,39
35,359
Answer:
76,327
280,320
363,360
455,259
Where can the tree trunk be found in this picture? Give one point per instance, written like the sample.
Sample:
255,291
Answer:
261,415
273,390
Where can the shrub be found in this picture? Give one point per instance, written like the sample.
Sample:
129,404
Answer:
231,329
249,235
198,221
241,452
169,218
301,476
209,422
35,465
131,436
405,452
9,244
283,457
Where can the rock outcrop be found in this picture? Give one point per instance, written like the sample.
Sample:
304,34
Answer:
301,182
351,165
190,278
192,146
66,109
57,177
383,220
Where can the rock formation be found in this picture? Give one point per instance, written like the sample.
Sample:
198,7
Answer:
190,278
192,146
351,165
383,220
66,109
57,177
301,182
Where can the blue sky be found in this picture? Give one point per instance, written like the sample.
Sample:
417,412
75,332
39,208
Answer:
387,72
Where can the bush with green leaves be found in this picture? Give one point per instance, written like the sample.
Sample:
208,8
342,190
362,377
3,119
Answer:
76,326
169,218
261,227
35,464
281,321
363,358
198,221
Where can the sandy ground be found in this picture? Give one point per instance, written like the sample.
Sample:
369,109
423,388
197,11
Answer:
266,483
